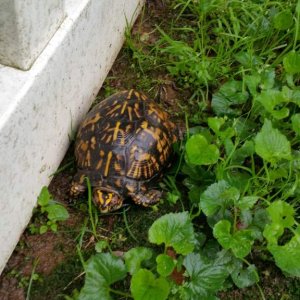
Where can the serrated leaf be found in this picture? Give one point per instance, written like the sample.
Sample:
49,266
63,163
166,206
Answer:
218,195
245,277
199,152
271,144
283,20
296,123
291,62
229,96
57,212
174,230
44,197
165,265
247,202
144,286
205,278
239,242
134,258
102,270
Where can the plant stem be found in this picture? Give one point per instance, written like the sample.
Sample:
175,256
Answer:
127,295
90,206
35,263
127,226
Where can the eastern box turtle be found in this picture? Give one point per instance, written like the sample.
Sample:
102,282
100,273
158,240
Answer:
122,146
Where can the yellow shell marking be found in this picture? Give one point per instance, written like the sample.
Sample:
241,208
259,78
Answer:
116,130
93,143
114,109
93,120
129,112
109,156
130,94
99,164
84,146
124,107
136,110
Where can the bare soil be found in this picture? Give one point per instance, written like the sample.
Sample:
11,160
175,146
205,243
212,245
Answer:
58,269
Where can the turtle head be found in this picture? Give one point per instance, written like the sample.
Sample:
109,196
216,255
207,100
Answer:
107,200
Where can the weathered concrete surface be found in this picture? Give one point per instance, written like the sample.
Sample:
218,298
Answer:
26,26
38,107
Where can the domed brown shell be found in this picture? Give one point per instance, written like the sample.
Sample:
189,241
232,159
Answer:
124,142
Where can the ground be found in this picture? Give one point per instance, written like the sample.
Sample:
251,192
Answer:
58,269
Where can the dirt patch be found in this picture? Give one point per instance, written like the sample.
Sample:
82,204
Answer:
59,268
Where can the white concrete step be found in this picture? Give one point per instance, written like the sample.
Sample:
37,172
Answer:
37,107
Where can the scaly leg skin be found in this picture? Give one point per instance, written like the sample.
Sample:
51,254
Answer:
149,198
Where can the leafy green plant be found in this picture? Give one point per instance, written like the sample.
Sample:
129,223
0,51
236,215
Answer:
54,211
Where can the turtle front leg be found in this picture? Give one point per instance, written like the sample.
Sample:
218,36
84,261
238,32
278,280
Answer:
146,199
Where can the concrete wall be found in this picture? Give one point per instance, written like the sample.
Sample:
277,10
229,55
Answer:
38,107
25,29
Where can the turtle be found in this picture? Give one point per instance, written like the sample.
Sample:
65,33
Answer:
123,146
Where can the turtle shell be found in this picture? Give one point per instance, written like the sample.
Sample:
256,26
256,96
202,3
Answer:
124,142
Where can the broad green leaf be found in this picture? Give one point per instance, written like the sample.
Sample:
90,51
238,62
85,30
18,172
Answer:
144,286
102,270
199,152
282,213
296,123
174,230
205,278
44,197
230,95
283,20
287,256
134,258
218,195
247,202
270,99
57,212
272,145
215,123
239,242
245,277
165,265
291,62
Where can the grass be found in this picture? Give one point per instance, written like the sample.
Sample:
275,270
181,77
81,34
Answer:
236,171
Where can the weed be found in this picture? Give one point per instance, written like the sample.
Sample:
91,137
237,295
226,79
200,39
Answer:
55,212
